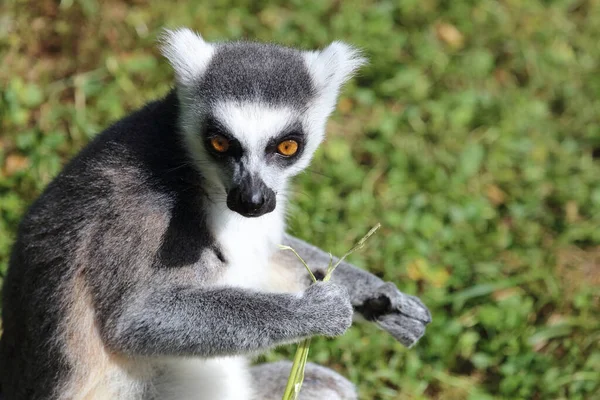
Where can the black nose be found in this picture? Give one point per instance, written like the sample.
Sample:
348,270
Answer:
252,198
252,201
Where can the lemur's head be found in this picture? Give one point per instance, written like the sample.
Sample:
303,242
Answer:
253,114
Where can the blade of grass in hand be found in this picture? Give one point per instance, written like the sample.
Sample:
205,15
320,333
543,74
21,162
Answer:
294,383
357,246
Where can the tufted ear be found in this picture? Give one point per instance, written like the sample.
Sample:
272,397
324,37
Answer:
331,67
187,52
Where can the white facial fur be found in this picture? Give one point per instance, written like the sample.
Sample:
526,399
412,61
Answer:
254,124
252,121
330,69
187,52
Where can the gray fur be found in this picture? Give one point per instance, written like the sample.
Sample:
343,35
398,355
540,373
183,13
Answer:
118,268
402,315
186,320
247,71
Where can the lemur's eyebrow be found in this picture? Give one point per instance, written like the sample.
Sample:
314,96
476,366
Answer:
292,130
212,126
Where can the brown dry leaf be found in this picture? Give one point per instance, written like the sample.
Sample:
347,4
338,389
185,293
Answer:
556,319
576,267
418,269
539,346
502,76
15,163
572,212
273,17
511,260
345,105
495,195
502,294
449,34
397,108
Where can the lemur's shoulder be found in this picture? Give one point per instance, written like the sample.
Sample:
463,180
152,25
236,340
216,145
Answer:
132,183
146,137
140,153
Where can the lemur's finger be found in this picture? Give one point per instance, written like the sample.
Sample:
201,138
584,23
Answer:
407,305
406,330
413,307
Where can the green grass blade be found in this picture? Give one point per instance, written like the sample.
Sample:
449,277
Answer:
357,246
294,383
312,276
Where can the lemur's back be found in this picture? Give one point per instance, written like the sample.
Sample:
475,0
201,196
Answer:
45,296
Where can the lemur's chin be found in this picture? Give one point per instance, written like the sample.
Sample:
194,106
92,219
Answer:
252,214
244,211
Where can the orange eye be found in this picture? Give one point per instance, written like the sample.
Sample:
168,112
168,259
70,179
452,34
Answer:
220,144
287,148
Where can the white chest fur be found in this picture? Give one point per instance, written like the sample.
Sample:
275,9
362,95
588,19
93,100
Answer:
247,244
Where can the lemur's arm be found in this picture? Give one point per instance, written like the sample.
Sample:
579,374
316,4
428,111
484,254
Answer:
402,315
179,321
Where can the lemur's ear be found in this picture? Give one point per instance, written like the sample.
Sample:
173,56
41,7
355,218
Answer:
187,52
333,66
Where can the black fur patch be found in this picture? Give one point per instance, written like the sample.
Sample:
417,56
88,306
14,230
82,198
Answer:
374,308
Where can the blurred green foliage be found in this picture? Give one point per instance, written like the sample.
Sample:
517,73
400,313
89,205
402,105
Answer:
473,136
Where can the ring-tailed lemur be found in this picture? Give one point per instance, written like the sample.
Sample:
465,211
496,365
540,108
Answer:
149,268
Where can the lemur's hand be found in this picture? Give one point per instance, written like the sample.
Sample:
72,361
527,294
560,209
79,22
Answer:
402,315
328,308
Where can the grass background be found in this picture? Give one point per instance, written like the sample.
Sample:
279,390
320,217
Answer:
473,136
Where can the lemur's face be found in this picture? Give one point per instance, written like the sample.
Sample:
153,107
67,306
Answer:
253,148
253,114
